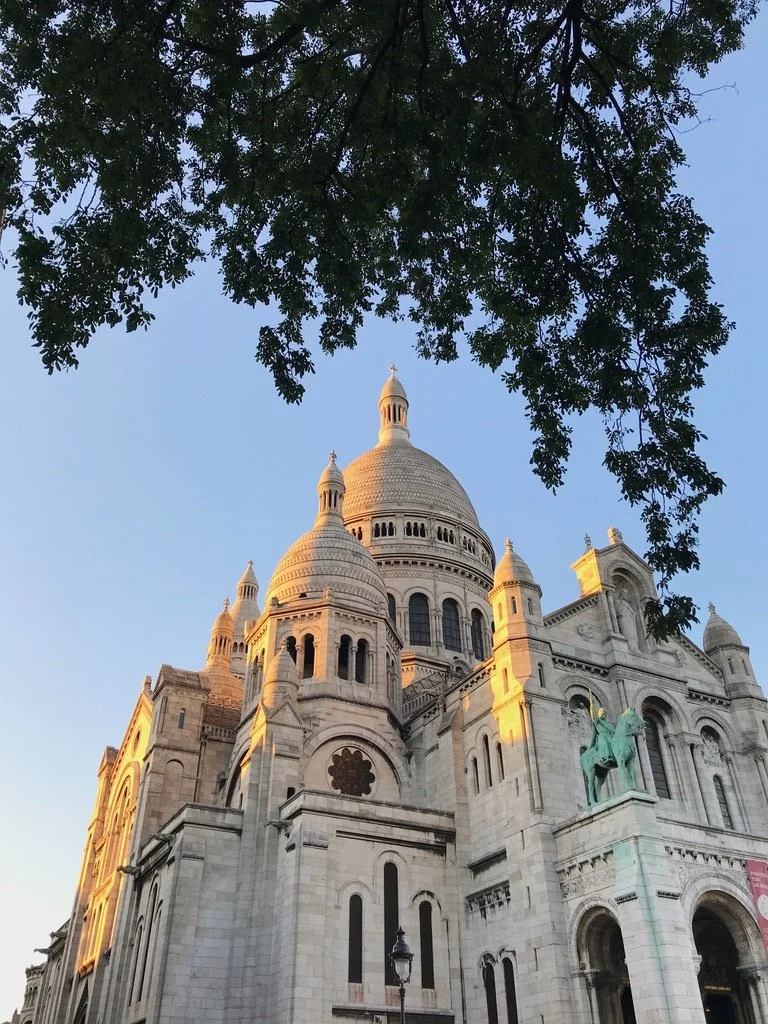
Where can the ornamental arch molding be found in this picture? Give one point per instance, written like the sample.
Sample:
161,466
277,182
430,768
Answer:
361,735
675,716
711,720
730,901
356,888
583,916
578,686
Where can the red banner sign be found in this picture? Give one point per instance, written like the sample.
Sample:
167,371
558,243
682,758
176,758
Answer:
758,880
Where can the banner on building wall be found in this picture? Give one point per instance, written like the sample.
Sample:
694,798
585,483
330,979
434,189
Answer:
757,870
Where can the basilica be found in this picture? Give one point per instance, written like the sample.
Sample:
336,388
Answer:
400,736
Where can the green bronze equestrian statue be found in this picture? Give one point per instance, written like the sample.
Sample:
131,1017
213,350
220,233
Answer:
613,746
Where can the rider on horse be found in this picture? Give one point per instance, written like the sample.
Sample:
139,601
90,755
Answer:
602,734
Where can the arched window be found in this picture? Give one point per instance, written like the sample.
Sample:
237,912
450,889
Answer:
487,761
361,662
408,530
509,990
475,776
150,923
542,681
391,919
513,605
136,953
653,742
422,531
478,644
439,533
309,657
530,606
500,760
345,646
489,983
451,626
355,956
392,608
376,530
290,644
425,941
182,716
725,810
418,621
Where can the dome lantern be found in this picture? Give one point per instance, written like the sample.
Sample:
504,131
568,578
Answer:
393,411
330,493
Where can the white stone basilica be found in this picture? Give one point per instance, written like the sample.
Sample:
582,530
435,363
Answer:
394,741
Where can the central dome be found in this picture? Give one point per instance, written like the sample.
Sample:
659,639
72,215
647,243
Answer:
398,475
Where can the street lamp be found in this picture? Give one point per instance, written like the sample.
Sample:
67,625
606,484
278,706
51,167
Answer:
402,961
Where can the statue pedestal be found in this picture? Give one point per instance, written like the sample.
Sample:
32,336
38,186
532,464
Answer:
612,861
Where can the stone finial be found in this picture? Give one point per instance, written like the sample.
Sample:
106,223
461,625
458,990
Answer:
332,457
508,544
614,535
226,604
587,542
711,609
392,369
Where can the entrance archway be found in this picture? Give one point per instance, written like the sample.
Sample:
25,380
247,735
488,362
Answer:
601,953
724,949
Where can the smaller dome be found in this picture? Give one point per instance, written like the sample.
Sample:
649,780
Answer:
719,633
393,389
282,669
331,474
223,624
249,576
512,568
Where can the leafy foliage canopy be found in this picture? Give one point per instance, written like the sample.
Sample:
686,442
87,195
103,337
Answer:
502,171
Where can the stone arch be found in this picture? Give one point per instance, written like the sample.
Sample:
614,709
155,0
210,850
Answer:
601,959
711,720
425,894
576,686
356,888
363,735
727,940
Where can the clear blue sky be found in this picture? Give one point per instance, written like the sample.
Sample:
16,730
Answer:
136,488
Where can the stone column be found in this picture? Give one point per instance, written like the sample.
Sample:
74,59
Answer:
736,786
695,783
530,750
698,761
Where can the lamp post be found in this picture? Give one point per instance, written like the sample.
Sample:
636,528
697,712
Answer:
402,961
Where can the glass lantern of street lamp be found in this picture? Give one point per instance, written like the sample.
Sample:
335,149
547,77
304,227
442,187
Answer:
402,958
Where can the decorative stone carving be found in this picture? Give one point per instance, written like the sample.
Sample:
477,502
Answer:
351,772
585,631
710,750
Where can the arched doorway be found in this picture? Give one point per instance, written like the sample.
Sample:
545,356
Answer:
718,936
601,953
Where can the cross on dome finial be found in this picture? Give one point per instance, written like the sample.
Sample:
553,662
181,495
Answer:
508,544
711,608
587,541
333,456
392,369
226,604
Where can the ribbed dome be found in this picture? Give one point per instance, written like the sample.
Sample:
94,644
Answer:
392,389
397,475
327,556
512,568
719,633
223,624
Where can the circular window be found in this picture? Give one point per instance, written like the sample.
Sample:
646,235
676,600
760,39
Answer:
351,772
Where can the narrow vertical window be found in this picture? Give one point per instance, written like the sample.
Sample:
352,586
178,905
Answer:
475,776
182,716
478,643
418,621
361,662
291,646
392,608
150,923
505,677
513,603
451,626
345,645
136,954
542,681
489,983
309,657
487,761
653,742
355,958
722,800
500,760
425,939
391,919
509,991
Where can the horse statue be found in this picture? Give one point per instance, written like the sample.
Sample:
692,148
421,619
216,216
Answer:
613,746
